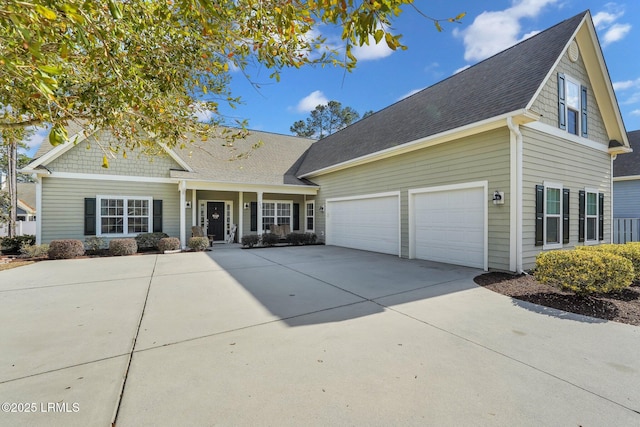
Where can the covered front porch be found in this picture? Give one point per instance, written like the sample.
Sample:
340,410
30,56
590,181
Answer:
228,211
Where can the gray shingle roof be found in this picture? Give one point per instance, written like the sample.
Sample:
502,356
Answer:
629,164
504,83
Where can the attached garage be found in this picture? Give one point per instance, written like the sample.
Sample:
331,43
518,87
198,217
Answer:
370,222
449,224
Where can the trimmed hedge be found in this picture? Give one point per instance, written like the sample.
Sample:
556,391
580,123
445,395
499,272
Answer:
94,244
148,241
65,249
584,271
35,251
119,247
169,244
269,239
198,243
250,240
630,251
12,245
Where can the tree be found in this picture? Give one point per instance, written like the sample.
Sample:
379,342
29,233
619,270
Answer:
325,120
140,67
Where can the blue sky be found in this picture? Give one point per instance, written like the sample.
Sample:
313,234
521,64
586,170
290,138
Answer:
383,77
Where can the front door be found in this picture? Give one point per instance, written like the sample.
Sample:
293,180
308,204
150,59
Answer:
215,220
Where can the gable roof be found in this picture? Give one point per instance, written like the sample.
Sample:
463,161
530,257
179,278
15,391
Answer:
259,158
629,164
502,84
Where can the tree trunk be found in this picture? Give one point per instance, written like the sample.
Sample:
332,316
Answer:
12,181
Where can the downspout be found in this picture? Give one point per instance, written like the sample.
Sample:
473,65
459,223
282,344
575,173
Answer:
516,191
611,221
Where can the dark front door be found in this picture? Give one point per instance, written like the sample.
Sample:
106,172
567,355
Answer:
215,217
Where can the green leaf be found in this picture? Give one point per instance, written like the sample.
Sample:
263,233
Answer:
115,10
50,69
105,162
58,135
45,12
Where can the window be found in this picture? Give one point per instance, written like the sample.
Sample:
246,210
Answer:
277,213
591,216
310,216
552,215
124,215
572,105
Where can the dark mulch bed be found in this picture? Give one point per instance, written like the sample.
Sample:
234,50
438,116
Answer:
622,306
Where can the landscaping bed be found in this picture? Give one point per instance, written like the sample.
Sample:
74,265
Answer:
620,306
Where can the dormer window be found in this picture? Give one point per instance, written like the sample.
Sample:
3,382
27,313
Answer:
572,106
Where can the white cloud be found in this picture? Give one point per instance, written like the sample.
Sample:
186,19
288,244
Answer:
635,113
372,51
35,140
627,84
408,94
492,32
461,69
311,101
204,115
615,33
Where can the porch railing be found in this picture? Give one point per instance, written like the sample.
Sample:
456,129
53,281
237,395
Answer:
626,230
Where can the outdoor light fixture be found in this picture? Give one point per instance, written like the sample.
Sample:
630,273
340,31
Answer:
498,197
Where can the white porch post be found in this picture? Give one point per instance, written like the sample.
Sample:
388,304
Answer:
39,210
259,213
239,231
194,208
183,213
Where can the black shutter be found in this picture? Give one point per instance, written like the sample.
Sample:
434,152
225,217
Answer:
581,211
600,216
583,105
296,216
565,215
157,216
539,215
562,111
89,216
254,216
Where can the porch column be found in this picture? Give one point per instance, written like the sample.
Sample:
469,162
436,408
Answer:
194,208
239,231
259,213
39,209
183,222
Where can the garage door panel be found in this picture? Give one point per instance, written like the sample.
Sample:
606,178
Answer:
449,226
370,224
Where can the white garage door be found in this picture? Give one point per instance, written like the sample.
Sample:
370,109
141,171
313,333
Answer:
371,223
449,226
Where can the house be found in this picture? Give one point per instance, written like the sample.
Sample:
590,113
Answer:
626,193
26,213
485,169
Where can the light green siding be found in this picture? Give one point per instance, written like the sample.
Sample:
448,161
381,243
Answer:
547,101
86,157
478,158
62,209
573,165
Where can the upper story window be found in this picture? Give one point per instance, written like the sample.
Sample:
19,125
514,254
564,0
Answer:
572,105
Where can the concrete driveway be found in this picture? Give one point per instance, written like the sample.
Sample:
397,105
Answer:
298,336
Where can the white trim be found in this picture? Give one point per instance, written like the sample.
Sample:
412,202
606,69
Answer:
240,230
183,213
611,202
175,157
38,210
561,133
194,209
462,186
623,178
275,211
202,215
513,190
125,215
396,194
462,131
555,186
310,190
306,216
100,177
595,241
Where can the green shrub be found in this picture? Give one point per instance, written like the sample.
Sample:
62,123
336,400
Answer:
149,241
118,247
584,271
250,240
269,239
198,243
94,244
310,239
629,251
12,245
65,249
295,239
169,244
35,251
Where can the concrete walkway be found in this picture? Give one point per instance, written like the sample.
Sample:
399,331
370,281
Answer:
299,336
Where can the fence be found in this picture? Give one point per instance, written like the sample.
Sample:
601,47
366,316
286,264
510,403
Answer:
626,230
22,228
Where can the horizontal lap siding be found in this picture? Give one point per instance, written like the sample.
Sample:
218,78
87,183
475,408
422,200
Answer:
626,199
478,158
573,165
62,209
